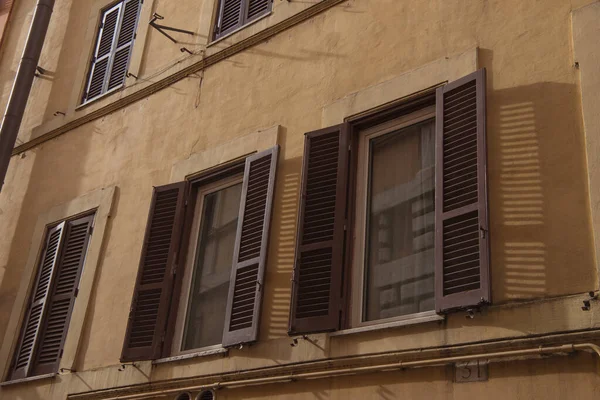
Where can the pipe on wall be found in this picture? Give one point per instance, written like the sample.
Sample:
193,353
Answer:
430,362
13,116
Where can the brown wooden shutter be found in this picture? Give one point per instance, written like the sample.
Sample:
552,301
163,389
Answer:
64,291
250,252
317,279
230,17
462,239
33,319
124,45
152,295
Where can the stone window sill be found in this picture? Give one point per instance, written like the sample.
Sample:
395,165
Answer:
413,320
203,353
28,379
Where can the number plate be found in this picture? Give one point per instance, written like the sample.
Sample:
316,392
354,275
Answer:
472,371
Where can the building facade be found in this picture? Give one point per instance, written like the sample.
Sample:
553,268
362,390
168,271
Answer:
408,190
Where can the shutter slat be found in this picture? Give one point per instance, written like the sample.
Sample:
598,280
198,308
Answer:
250,252
152,296
119,68
462,259
230,16
32,324
62,299
257,8
129,22
107,34
316,288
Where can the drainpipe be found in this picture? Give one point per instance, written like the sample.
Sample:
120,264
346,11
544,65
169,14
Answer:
11,122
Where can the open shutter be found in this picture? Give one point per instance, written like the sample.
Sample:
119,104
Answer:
316,283
462,239
33,319
230,17
104,49
64,290
124,44
250,252
152,296
256,8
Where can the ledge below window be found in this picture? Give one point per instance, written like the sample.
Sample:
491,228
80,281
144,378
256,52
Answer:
423,317
28,379
204,353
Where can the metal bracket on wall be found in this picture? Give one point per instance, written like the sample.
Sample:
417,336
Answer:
163,28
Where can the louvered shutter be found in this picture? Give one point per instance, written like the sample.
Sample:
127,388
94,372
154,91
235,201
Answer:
154,286
62,298
256,8
124,43
230,16
104,49
462,239
33,319
316,288
250,252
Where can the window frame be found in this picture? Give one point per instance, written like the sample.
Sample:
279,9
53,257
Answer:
198,197
360,168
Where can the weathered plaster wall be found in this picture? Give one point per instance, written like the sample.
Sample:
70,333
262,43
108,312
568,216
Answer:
541,232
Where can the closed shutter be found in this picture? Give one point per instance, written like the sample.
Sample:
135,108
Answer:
236,13
230,16
113,48
64,292
124,45
462,239
317,278
33,319
104,49
250,252
256,8
154,286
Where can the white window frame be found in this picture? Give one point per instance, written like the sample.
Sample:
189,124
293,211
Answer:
190,264
357,292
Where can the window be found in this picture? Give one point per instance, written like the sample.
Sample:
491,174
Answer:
393,269
201,316
205,248
116,33
52,298
393,213
233,14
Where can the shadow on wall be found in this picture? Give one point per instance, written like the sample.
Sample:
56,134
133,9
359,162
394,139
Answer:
541,240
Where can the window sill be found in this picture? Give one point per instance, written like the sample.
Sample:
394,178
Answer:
99,97
422,318
204,353
28,379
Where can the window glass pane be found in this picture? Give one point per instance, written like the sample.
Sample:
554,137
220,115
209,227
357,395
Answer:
205,315
400,223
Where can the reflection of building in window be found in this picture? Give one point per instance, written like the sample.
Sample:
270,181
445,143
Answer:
205,317
400,227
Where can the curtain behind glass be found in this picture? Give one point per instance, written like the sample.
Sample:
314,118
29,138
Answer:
205,317
400,223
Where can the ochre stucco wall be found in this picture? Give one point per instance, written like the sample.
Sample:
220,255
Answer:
541,232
